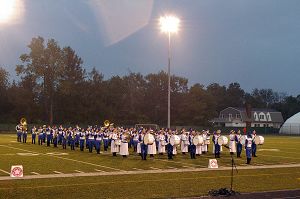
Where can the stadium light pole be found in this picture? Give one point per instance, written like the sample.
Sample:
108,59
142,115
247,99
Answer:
169,24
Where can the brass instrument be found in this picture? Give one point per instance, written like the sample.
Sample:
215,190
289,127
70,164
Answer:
23,122
106,123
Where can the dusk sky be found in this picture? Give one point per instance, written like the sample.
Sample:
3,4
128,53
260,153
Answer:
253,42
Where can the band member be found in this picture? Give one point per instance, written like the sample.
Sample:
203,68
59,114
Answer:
77,136
135,141
64,139
198,148
253,144
59,139
48,133
40,136
124,144
44,134
55,138
144,147
239,145
82,139
139,145
98,142
105,140
24,135
184,144
248,147
216,145
170,148
162,143
91,139
192,146
152,147
114,147
19,132
33,135
72,140
232,142
206,141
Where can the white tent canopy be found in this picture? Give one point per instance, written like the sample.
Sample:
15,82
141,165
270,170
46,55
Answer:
291,125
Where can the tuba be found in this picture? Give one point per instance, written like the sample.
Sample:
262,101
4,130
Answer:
106,123
23,122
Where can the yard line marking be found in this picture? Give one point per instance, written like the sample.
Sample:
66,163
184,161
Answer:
5,172
126,181
154,168
8,154
79,171
35,173
172,168
97,165
57,172
99,170
277,156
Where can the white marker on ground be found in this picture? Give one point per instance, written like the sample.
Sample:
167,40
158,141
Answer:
78,171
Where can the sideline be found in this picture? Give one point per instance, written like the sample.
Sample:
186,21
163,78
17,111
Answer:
156,171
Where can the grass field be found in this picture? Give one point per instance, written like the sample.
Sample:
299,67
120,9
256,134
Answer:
104,176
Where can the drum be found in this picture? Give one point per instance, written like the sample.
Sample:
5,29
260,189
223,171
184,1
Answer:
175,140
259,140
243,139
163,142
186,142
118,142
198,140
222,140
149,139
206,141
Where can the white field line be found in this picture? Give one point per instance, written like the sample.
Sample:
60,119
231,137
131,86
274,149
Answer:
99,170
154,168
172,168
145,180
277,156
57,172
289,152
78,171
35,173
115,173
5,172
88,163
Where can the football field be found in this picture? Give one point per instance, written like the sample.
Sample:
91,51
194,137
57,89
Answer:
57,173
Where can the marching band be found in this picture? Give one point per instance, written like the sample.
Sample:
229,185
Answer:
144,141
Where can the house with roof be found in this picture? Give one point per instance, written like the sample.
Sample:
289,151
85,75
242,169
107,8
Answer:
257,117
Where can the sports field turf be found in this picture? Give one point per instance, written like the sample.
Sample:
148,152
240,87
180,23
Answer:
104,176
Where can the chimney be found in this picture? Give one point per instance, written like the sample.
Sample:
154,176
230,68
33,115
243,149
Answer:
248,110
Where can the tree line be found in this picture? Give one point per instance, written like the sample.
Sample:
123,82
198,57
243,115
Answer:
54,87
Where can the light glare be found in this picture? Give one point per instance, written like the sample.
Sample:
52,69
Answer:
169,24
7,8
